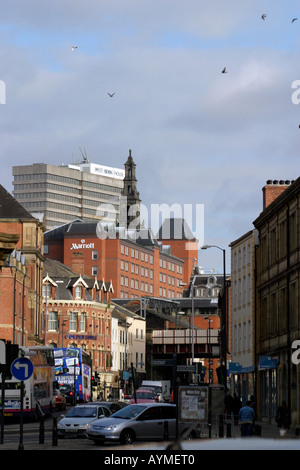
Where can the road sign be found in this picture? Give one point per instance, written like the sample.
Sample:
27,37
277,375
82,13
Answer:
188,368
22,368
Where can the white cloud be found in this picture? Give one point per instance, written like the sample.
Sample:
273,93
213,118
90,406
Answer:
197,135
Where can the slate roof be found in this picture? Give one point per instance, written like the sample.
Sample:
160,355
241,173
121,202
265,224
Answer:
64,277
10,208
57,233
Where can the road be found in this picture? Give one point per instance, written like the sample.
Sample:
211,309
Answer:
34,439
34,436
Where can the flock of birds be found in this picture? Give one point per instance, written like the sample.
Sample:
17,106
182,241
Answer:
263,17
110,94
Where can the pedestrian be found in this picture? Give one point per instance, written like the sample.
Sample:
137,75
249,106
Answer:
236,408
246,419
228,402
253,404
283,417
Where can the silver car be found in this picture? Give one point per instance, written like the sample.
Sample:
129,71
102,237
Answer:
76,421
147,421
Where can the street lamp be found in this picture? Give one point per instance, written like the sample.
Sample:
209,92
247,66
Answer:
191,325
224,304
209,353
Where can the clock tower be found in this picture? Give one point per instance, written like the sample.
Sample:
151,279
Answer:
130,204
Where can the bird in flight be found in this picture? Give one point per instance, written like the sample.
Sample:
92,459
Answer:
111,94
73,48
294,19
224,70
263,16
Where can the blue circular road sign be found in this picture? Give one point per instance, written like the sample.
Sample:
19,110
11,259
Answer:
22,368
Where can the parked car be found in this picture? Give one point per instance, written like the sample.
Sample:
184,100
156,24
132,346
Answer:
67,391
113,406
147,421
143,396
75,422
60,401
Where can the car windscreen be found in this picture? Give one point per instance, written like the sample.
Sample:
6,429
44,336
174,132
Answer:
82,412
129,412
65,388
144,395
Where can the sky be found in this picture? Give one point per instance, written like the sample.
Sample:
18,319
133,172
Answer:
199,137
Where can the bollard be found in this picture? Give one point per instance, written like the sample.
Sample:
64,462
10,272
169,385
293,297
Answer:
228,432
221,426
166,430
42,431
54,432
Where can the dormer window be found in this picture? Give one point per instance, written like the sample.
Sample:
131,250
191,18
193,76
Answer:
48,288
47,291
78,292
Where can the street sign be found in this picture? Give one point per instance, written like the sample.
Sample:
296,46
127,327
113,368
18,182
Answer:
188,368
22,368
162,362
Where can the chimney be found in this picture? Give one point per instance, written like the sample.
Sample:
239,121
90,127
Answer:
273,189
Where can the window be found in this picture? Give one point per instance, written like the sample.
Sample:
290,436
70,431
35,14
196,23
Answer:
95,254
73,321
47,290
78,292
82,322
95,271
151,413
52,321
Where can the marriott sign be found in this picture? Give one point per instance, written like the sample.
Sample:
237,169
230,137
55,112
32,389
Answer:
81,245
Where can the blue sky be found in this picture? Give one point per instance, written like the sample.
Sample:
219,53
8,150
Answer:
197,136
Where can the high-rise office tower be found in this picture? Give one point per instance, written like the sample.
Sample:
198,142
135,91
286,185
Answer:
85,191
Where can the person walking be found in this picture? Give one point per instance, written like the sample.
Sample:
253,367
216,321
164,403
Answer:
236,408
246,419
283,418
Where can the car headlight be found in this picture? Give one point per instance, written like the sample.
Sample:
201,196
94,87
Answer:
82,426
110,427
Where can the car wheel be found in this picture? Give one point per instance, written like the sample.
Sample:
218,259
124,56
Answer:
127,437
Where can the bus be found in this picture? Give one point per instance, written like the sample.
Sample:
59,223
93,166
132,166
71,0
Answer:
73,367
39,389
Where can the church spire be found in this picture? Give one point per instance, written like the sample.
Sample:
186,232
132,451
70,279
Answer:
131,193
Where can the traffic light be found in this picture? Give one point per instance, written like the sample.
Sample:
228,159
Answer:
12,353
220,374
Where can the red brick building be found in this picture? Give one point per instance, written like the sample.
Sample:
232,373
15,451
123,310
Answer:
78,313
141,267
21,274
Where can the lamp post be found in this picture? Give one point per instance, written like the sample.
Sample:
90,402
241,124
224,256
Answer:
191,319
209,353
224,312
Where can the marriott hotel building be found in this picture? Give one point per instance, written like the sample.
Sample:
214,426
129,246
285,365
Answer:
67,192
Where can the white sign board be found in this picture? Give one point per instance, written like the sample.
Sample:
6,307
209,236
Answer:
193,403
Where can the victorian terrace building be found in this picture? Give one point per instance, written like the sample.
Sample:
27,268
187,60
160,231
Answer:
21,275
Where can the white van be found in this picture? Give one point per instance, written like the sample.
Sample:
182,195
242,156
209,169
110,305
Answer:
162,388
